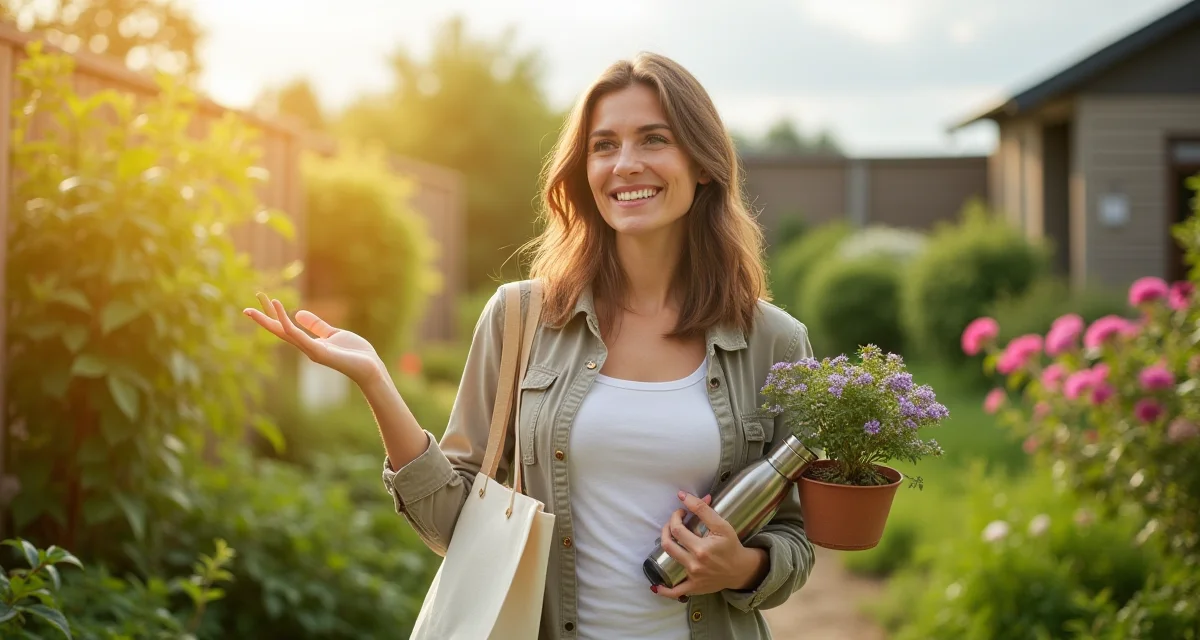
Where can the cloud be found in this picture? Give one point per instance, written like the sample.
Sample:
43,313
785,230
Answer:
887,22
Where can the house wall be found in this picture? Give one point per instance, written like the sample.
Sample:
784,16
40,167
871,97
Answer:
1120,145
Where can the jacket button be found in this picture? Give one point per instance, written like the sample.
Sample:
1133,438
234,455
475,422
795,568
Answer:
570,626
591,364
697,616
567,541
724,476
559,455
713,383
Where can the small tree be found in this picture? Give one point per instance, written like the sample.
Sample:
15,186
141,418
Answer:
127,348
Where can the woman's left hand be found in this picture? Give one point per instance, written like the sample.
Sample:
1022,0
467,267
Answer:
714,562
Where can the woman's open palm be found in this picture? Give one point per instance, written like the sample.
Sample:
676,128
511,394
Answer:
338,349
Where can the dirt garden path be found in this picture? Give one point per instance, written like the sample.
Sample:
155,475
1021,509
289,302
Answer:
827,608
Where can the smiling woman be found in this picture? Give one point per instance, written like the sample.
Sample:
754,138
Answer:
641,391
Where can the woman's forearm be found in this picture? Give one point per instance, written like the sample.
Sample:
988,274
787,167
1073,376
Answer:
403,437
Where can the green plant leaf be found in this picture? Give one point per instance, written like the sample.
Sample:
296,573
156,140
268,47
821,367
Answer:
54,577
70,297
58,555
74,337
6,612
125,395
89,366
135,514
52,616
26,548
116,314
271,432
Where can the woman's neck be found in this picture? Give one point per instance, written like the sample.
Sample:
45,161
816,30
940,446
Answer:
650,262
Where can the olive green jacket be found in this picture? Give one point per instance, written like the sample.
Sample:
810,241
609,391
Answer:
430,491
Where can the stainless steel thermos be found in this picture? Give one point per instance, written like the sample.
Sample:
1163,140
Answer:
747,502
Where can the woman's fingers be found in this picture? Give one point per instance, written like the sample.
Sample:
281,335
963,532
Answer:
266,305
314,324
266,322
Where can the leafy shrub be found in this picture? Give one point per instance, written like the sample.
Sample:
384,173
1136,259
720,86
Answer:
127,349
854,302
321,551
369,248
965,267
791,226
1048,298
1028,559
793,263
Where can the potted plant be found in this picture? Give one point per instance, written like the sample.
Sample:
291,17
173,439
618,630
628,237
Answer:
860,416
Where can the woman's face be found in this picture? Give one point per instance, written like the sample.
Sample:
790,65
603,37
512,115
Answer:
641,178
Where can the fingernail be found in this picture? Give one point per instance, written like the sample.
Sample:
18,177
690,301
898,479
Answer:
682,495
654,588
707,496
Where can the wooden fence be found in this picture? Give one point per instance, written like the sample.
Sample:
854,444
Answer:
438,196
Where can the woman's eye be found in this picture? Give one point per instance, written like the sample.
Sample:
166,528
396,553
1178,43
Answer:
654,138
602,145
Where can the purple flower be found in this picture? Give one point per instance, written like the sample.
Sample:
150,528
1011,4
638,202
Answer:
908,409
783,366
871,427
924,394
899,382
839,361
838,380
799,388
910,423
808,363
864,378
936,411
836,391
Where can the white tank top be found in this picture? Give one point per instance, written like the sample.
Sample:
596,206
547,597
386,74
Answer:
633,447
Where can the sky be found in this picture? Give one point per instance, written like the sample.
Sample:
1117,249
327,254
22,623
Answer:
886,77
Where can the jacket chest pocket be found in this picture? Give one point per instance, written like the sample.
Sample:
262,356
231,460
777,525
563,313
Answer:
535,388
758,429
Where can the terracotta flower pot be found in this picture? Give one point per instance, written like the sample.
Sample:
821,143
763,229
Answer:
845,517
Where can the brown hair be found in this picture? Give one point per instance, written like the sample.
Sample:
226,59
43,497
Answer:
720,275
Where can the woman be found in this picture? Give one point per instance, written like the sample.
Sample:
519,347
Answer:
642,390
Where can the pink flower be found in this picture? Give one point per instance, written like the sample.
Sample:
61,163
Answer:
1086,380
1063,333
1101,391
1052,376
1180,430
1018,353
1156,377
994,400
1180,295
979,333
1041,409
1146,290
1030,446
1104,329
1147,410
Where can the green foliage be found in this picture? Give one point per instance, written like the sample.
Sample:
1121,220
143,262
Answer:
321,551
474,105
1020,558
852,303
1047,299
791,227
369,248
95,605
860,415
127,348
965,267
795,261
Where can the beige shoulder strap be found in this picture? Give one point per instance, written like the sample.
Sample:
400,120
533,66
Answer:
512,352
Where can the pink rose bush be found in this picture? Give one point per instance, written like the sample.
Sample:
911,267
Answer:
1117,401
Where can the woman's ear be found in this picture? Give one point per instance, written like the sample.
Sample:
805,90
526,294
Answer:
704,177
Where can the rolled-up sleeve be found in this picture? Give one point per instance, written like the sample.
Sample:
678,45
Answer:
790,553
430,490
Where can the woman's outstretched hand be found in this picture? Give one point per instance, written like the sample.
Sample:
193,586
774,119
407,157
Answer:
338,349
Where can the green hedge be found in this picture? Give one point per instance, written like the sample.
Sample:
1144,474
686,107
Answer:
368,247
793,263
965,267
1049,297
850,303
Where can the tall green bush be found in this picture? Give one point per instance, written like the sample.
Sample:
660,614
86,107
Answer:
850,303
367,246
795,261
965,267
127,350
1033,310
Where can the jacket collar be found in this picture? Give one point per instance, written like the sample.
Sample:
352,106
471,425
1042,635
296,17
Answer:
726,337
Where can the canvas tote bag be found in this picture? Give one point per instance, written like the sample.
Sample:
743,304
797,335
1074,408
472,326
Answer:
491,583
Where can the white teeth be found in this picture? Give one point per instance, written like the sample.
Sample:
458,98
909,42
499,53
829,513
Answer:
637,195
